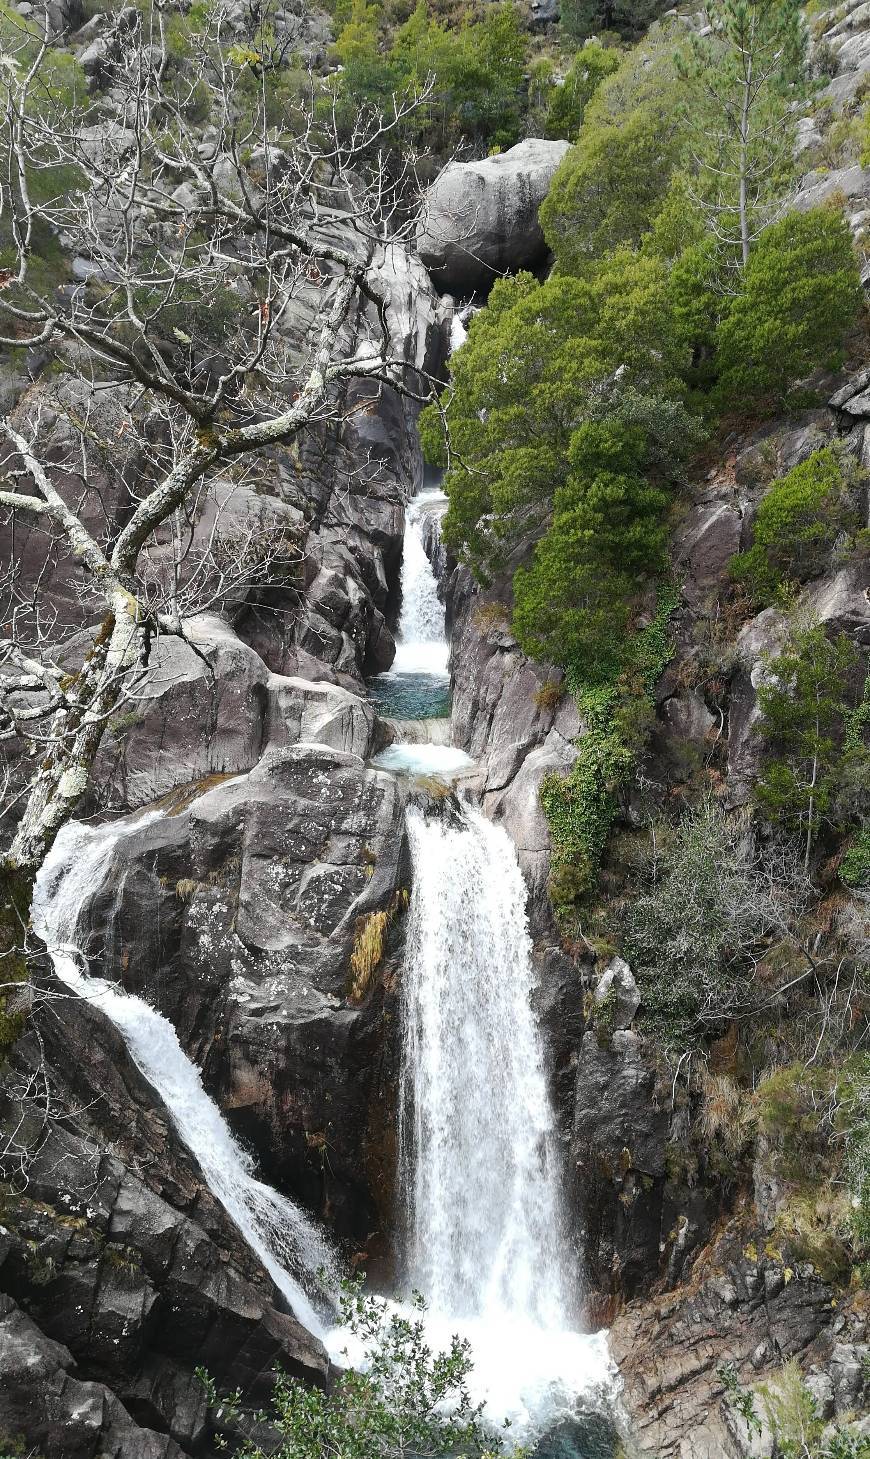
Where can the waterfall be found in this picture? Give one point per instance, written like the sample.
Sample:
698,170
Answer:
477,1149
479,1161
275,1229
421,646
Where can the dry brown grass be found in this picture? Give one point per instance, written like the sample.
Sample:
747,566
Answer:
549,694
490,615
727,1116
368,946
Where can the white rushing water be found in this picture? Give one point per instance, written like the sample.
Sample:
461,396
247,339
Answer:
288,1244
421,645
424,759
478,1154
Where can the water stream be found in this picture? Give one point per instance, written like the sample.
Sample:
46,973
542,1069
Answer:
289,1245
418,684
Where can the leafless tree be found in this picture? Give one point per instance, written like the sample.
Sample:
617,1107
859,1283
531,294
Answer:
214,307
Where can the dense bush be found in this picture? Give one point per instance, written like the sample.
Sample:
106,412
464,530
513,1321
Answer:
797,523
610,186
807,711
609,532
568,103
478,68
688,932
538,360
801,290
580,807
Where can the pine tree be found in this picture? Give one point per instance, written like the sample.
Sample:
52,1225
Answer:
750,68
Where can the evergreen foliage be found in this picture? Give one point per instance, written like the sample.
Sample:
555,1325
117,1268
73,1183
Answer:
801,291
611,185
805,716
798,521
538,361
479,71
568,104
580,807
748,69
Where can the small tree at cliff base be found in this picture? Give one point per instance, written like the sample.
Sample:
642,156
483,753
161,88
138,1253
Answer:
404,1400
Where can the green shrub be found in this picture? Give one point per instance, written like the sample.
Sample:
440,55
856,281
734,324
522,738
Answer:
855,865
408,1399
479,71
801,292
580,807
608,189
688,927
627,18
804,720
797,523
592,65
538,360
609,531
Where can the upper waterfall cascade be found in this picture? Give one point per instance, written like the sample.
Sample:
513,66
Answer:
421,646
479,1162
289,1245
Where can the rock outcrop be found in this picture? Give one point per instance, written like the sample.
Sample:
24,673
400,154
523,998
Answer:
236,913
120,1272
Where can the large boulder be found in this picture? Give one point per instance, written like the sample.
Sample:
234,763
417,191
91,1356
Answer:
211,707
481,218
237,913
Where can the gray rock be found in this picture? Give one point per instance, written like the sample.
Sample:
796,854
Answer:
617,986
67,1418
481,218
211,707
842,602
706,543
762,637
240,911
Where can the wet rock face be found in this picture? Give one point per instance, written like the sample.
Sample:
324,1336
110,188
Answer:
238,917
481,218
119,1270
618,1161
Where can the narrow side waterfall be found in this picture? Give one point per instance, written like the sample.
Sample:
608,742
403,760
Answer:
288,1244
479,1163
421,646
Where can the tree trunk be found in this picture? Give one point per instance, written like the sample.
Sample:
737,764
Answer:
744,162
64,774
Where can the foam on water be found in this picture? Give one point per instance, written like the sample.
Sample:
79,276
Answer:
443,760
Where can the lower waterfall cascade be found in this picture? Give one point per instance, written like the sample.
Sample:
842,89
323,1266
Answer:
289,1245
478,1159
